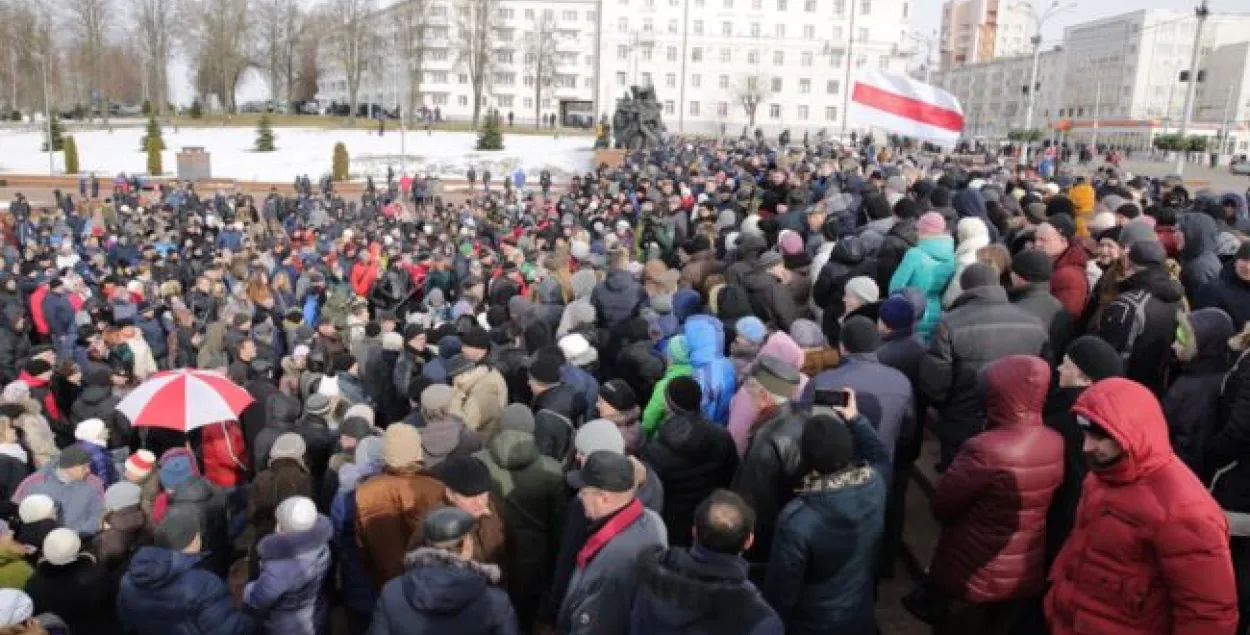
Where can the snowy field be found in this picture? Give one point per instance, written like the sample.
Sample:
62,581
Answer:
305,151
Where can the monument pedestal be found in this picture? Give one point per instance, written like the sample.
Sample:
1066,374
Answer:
612,157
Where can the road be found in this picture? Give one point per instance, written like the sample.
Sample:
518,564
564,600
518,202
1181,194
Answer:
1218,179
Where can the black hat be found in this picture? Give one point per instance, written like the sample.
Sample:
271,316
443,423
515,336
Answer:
177,529
978,274
1147,252
411,331
1243,252
356,428
73,456
55,283
683,394
1063,224
460,364
859,335
826,445
1095,357
906,208
1032,265
477,337
446,524
605,470
465,475
36,367
619,395
545,369
1060,205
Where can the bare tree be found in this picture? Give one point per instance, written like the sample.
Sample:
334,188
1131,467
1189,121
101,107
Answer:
350,31
154,20
90,20
541,59
219,33
279,27
477,23
413,21
752,90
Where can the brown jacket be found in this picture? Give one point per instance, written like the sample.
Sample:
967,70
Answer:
701,265
489,538
389,510
481,395
820,359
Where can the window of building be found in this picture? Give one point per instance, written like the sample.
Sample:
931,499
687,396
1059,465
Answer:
669,107
839,7
805,58
694,109
646,54
620,78
505,79
832,86
753,57
506,14
865,7
756,5
670,54
698,4
440,55
755,29
696,54
528,102
776,85
805,85
647,26
670,80
722,82
463,78
697,28
696,80
439,99
528,80
781,5
753,83
726,56
622,24
831,113
779,58
672,25
622,52
505,35
505,101
774,111
727,29
801,113
722,109
809,32
463,100
835,59
809,6
568,15
780,31
646,79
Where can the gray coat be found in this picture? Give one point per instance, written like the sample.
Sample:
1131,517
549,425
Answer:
80,504
600,594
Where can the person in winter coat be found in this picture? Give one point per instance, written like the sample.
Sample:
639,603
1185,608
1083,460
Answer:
980,328
165,593
992,503
744,409
698,262
15,570
770,299
1057,238
1224,464
929,266
14,341
97,401
601,590
78,494
1140,499
619,296
1141,322
677,354
898,240
444,435
530,490
93,437
389,505
443,589
1231,290
899,348
15,461
1030,290
706,339
319,440
480,394
971,234
209,505
848,258
286,476
1192,402
704,588
691,457
1200,263
294,562
583,283
821,573
126,528
70,584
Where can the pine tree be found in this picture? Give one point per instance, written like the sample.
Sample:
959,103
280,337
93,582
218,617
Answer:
197,110
147,108
153,132
264,135
56,135
341,162
71,155
491,137
154,157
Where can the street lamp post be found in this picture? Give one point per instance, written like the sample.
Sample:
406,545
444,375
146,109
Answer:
1039,20
1188,112
47,110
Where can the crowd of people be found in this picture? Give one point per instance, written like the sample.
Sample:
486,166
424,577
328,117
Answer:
684,395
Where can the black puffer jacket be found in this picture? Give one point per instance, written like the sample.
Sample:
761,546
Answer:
683,591
980,327
1144,335
1231,293
770,473
209,503
1192,403
617,298
902,236
770,300
96,400
848,259
1226,451
14,343
692,459
281,411
512,362
1200,264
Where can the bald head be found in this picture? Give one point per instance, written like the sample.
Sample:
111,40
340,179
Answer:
724,523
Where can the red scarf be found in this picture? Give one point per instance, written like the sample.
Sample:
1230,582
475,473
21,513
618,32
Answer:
608,531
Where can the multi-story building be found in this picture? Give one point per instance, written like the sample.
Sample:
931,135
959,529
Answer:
994,94
1228,101
977,31
706,59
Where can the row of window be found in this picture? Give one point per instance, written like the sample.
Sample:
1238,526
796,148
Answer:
809,6
506,13
754,29
801,112
559,80
776,84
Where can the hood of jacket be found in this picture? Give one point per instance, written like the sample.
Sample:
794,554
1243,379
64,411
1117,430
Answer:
438,582
677,351
693,583
981,295
95,396
288,546
783,347
1212,329
512,450
156,568
1129,412
706,338
281,411
939,248
684,435
969,204
734,303
196,491
685,303
583,283
619,281
1015,391
1157,282
1201,234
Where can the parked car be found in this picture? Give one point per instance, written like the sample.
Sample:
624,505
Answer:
1240,165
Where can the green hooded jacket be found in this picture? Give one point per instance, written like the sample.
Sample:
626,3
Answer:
678,354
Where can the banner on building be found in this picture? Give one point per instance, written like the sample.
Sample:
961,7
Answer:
904,106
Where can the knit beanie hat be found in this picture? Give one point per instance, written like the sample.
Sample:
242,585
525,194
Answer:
92,431
859,335
61,547
1101,221
35,508
896,313
1135,232
683,394
1063,224
176,470
401,446
465,475
177,529
751,329
368,451
437,397
288,446
517,416
864,288
790,243
1144,253
931,224
317,404
618,394
826,445
599,435
1032,265
1095,357
776,375
295,514
139,465
121,495
807,333
15,607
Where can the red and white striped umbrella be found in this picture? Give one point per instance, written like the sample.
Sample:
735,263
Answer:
184,400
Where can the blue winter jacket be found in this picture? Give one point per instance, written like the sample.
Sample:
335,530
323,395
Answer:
705,336
618,298
164,593
58,313
440,594
585,384
293,568
101,463
358,594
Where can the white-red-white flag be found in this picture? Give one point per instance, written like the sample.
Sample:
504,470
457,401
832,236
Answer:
904,106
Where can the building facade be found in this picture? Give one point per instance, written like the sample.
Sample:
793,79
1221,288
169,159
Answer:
706,59
978,31
993,94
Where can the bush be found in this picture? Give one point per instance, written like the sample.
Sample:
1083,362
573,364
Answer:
153,132
147,108
264,135
341,162
1025,136
57,135
71,155
491,137
1169,142
197,110
1197,144
154,157
16,115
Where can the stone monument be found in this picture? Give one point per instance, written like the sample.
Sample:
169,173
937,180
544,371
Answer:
636,123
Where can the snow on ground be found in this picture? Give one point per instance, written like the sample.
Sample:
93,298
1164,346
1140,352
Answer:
305,151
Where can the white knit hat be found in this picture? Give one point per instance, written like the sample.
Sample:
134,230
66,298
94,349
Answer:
35,508
61,547
15,607
295,514
92,431
577,350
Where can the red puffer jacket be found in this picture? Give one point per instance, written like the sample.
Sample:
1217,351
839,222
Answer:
1068,283
1149,552
225,454
992,500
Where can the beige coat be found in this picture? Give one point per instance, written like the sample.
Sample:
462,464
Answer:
480,397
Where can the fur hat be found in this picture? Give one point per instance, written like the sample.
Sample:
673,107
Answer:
35,508
61,547
92,431
295,514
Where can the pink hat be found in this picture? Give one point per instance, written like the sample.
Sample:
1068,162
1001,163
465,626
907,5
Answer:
790,243
931,223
